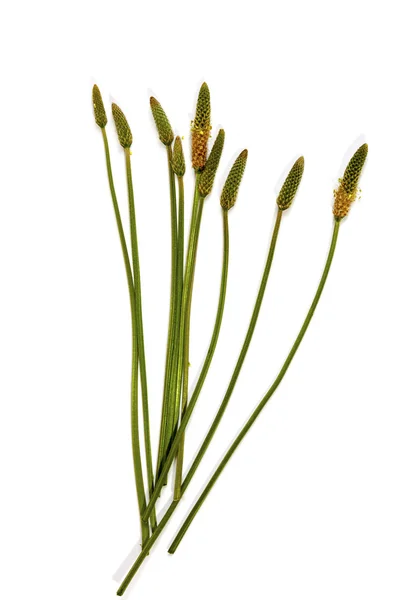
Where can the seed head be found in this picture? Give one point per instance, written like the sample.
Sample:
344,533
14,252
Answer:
207,176
98,106
232,183
122,127
164,128
348,190
178,158
290,185
201,127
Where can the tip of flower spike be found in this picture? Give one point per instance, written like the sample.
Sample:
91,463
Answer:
290,185
178,159
232,183
164,128
210,169
201,128
348,190
98,107
122,127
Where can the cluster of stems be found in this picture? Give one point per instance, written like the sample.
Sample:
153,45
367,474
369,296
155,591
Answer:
177,404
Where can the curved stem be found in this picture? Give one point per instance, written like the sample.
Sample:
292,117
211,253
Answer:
204,371
139,327
176,377
264,401
172,314
171,509
137,461
186,345
239,364
214,339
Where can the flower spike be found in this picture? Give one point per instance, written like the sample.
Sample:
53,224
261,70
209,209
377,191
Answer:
347,191
232,183
290,185
123,129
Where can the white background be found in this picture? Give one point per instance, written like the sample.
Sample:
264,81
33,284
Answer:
308,507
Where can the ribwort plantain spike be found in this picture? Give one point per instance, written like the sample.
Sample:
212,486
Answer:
164,128
178,158
209,172
290,185
348,190
98,107
122,127
201,128
232,183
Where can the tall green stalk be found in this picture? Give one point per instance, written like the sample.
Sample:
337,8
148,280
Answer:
239,364
173,505
101,120
176,387
186,312
263,402
204,371
173,316
125,139
139,325
196,393
205,182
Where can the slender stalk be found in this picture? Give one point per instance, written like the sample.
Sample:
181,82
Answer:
139,327
173,312
171,509
204,371
137,462
176,378
186,345
146,548
238,366
264,401
180,272
210,353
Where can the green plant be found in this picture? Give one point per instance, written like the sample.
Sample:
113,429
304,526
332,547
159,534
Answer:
177,406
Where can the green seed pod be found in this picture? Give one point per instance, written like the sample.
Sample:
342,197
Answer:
164,128
232,183
178,159
201,128
290,185
347,191
207,176
123,129
98,106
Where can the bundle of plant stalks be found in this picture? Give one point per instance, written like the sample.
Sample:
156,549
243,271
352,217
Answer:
177,403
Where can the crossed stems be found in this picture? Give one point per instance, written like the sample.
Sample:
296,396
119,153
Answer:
147,547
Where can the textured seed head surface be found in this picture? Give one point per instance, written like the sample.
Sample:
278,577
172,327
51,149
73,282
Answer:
201,127
98,106
348,190
164,128
122,127
178,158
290,185
207,176
232,183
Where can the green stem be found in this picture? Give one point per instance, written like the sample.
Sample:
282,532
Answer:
139,327
146,548
172,315
239,363
186,345
204,371
137,461
214,339
176,378
264,401
171,509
